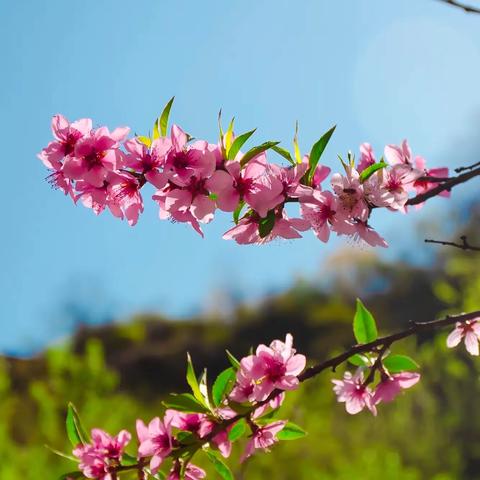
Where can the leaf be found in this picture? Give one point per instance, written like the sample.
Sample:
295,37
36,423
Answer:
237,430
316,152
238,143
369,171
128,459
162,121
296,148
186,438
400,363
222,385
147,141
359,360
184,402
291,431
193,382
253,152
364,326
265,225
229,135
61,454
75,432
238,211
235,363
219,466
284,153
71,475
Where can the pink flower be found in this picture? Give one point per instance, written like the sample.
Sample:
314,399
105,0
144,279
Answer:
124,194
149,161
192,472
392,385
263,438
423,185
367,157
155,441
96,155
96,198
289,178
359,230
67,135
186,161
354,393
320,211
102,453
396,155
273,367
200,425
351,201
255,184
246,231
470,332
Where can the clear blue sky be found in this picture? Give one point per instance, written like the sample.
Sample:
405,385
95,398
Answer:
380,70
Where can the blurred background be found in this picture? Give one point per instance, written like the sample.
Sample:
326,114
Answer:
101,314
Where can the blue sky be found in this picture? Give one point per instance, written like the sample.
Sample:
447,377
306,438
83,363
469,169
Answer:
380,70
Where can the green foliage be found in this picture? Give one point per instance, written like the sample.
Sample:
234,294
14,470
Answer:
222,385
364,326
369,171
316,152
291,431
399,363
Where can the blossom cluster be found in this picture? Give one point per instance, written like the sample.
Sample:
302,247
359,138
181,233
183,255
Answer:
193,178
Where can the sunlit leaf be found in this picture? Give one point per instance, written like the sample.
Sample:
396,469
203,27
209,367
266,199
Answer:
222,385
291,431
219,466
253,152
364,326
400,363
317,151
238,143
75,431
238,430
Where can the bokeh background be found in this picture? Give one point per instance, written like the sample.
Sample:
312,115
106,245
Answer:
101,314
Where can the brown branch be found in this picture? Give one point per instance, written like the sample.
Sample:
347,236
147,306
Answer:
463,6
446,185
464,245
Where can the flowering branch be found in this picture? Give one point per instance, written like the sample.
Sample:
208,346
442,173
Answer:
193,179
464,245
463,6
247,397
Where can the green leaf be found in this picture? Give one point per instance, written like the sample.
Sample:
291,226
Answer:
253,152
219,466
233,360
238,211
75,432
359,360
61,454
284,153
296,148
229,135
238,143
265,225
222,385
237,430
291,431
364,326
147,141
400,363
316,152
71,476
162,122
128,459
193,382
184,402
369,171
186,438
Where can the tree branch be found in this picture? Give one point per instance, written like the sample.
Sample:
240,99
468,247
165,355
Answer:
466,8
464,245
445,185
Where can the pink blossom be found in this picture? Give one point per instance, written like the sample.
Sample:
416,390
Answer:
367,157
124,193
102,453
351,200
263,438
96,155
470,332
67,135
423,185
396,155
359,231
149,161
273,367
320,211
255,184
186,161
290,178
247,229
155,441
192,472
354,393
392,385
